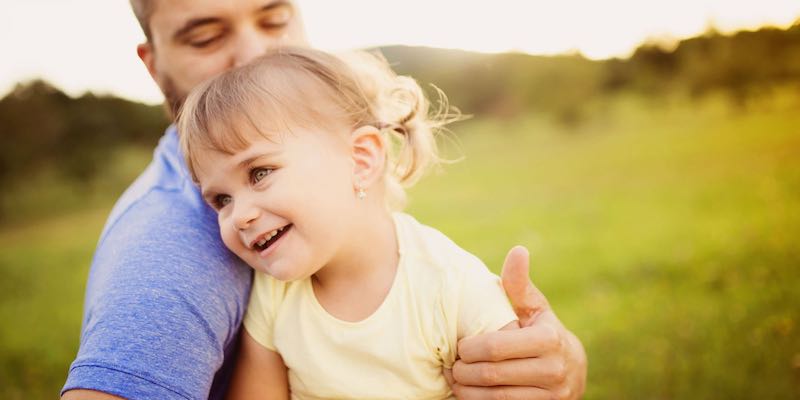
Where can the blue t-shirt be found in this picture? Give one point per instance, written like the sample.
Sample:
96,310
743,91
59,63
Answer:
164,298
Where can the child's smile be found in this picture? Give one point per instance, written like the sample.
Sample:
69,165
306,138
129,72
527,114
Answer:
264,241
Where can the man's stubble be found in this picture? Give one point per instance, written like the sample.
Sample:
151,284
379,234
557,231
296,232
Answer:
173,97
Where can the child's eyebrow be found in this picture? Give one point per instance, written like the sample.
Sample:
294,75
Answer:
249,161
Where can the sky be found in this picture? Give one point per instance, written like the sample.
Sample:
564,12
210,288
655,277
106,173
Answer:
81,45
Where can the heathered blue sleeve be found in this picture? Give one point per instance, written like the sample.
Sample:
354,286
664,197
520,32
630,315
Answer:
164,302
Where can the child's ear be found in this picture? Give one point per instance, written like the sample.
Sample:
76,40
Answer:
368,150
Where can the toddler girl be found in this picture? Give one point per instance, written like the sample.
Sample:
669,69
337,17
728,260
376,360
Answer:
304,156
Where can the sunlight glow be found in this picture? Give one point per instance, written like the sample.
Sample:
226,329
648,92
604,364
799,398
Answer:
94,49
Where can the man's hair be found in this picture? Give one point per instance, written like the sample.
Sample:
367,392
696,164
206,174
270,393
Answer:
143,9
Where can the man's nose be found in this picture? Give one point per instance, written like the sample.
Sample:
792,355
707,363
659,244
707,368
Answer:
250,44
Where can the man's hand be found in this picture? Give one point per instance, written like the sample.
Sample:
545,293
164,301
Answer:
540,359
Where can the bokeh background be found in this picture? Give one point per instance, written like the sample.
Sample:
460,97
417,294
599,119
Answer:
656,185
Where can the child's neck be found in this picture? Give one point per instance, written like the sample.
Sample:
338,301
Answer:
352,287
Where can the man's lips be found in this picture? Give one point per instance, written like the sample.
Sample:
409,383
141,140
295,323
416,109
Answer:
263,241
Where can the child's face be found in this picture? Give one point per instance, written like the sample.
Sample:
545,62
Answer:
284,204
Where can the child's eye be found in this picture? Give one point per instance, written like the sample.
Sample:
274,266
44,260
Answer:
260,173
221,200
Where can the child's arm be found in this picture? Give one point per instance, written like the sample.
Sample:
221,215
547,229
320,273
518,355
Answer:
260,372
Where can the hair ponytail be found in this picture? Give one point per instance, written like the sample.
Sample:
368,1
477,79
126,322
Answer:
403,114
410,131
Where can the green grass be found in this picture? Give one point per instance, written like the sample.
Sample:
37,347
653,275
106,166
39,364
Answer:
43,267
666,235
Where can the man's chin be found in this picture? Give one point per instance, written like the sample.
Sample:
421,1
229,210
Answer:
173,97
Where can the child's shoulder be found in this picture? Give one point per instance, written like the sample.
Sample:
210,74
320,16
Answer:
273,290
429,247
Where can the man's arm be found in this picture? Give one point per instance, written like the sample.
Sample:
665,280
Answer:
540,360
81,394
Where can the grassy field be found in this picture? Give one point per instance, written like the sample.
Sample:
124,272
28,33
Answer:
666,235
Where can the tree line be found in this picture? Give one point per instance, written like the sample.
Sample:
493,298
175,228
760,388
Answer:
43,128
511,83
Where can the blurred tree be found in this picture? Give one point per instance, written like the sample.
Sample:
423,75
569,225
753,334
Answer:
513,83
43,129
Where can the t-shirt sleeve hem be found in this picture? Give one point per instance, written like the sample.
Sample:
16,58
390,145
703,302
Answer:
483,306
494,319
506,318
255,331
117,382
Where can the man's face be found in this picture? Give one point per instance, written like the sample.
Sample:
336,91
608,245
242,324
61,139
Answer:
193,40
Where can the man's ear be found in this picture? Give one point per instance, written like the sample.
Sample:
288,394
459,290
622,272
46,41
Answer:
147,54
368,150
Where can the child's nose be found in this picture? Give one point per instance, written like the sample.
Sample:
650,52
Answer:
244,215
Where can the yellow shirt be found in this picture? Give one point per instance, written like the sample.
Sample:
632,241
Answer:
440,294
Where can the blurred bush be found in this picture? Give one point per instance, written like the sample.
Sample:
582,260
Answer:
51,137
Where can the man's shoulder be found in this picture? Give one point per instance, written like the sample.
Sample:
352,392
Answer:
163,237
161,231
162,215
161,190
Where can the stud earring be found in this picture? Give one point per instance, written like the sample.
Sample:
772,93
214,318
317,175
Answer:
361,193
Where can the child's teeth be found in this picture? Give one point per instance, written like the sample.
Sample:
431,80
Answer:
272,234
261,242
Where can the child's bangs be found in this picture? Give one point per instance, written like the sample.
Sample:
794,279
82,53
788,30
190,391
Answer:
260,101
237,126
268,109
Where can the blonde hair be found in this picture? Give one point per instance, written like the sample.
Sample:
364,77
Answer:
284,88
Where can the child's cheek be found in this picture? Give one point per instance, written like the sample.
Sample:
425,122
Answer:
230,238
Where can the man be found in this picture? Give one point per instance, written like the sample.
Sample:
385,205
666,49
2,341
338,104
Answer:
165,299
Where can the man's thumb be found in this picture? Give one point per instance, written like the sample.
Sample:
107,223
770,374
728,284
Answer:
526,299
